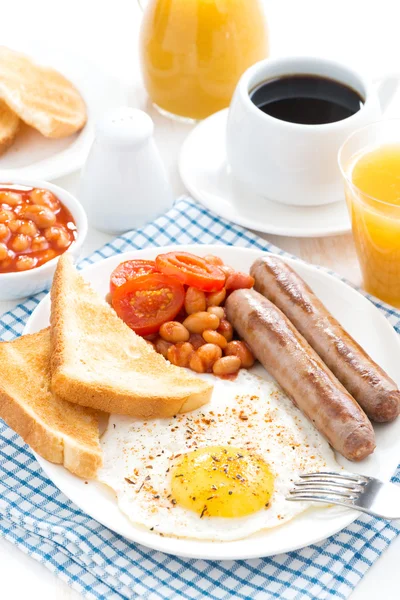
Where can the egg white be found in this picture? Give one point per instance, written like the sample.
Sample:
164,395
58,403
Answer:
248,413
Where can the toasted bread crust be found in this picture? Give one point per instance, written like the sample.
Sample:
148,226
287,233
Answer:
125,402
40,96
97,361
9,126
58,431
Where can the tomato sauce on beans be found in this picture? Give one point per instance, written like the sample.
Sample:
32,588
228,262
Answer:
34,228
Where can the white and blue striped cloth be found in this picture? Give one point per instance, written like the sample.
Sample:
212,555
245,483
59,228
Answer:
42,522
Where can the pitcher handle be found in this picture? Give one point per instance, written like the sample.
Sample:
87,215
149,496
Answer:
386,87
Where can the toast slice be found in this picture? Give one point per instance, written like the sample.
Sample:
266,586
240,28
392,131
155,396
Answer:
40,96
59,431
9,125
98,361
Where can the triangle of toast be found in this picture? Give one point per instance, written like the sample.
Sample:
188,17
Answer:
98,361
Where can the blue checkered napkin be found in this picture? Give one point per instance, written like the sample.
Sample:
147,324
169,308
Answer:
42,522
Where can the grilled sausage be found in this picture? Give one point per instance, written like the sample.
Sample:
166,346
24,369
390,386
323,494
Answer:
373,389
298,369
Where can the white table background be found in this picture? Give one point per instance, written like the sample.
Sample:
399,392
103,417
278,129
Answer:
364,33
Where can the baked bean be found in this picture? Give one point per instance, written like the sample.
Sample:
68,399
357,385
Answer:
213,337
28,228
242,351
64,239
6,264
227,365
21,242
179,354
51,233
195,301
208,354
10,198
108,298
200,321
40,215
174,332
216,298
196,364
217,310
39,243
227,270
58,235
6,215
162,346
238,281
44,198
14,226
196,340
225,329
24,262
214,260
4,231
151,344
3,251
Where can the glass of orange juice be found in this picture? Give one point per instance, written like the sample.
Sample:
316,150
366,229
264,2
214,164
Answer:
193,52
370,164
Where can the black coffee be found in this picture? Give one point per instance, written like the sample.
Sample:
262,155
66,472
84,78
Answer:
306,99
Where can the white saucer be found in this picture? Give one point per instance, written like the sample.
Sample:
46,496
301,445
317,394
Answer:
32,155
207,176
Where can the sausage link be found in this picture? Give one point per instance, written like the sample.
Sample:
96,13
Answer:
373,389
298,369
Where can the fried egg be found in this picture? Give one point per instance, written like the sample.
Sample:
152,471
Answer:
220,472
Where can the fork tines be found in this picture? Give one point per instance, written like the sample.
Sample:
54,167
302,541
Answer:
329,486
335,476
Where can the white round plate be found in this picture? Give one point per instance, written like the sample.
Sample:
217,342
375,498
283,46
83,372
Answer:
357,315
206,174
35,157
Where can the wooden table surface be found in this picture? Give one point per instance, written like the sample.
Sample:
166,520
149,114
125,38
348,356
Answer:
362,32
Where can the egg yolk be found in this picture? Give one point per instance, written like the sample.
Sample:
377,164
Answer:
222,481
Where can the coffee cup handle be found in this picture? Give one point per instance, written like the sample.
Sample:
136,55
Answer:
386,87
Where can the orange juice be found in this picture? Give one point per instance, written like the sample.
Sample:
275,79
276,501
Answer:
373,198
193,52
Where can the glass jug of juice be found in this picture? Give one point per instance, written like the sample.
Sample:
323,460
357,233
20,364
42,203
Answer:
193,52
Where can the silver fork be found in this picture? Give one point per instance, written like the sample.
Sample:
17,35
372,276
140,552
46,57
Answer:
367,494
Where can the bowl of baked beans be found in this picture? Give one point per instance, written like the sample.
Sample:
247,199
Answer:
39,221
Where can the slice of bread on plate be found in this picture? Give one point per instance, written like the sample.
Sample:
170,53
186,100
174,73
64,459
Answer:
40,96
59,431
9,125
98,361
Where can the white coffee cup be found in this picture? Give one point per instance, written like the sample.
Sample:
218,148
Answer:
289,162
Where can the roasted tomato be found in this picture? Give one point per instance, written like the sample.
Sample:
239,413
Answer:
129,270
146,302
191,270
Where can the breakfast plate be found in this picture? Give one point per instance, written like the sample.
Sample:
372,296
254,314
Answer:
37,157
362,320
206,174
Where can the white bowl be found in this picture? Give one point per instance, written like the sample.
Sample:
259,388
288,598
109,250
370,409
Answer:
26,283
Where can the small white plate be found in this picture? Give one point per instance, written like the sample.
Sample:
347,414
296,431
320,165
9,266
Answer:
35,157
206,174
361,319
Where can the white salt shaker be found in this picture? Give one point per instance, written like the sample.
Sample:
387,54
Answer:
124,183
